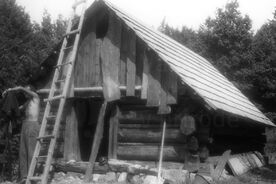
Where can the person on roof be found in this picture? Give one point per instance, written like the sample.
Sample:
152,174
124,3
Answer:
30,127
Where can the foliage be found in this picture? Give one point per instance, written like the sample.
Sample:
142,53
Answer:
264,66
16,41
227,42
24,45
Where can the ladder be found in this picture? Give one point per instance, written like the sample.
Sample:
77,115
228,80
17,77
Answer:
61,83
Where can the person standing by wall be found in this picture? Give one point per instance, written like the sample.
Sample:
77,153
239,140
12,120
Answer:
30,128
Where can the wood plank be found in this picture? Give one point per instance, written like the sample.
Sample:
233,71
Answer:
96,141
241,163
110,59
145,79
116,127
140,53
153,94
71,141
113,134
163,107
171,86
131,63
96,77
123,56
110,140
216,173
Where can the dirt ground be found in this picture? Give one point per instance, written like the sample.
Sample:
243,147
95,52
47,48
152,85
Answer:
264,175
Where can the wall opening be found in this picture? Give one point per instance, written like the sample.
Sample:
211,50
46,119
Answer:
87,113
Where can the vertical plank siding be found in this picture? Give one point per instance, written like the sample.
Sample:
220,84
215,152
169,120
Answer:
121,59
110,59
140,52
154,76
163,106
131,63
145,79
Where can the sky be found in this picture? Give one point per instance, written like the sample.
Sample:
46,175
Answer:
191,13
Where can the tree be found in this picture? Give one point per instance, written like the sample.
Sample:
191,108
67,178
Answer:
227,42
264,66
23,45
16,37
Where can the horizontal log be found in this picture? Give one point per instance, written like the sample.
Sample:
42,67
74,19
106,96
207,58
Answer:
148,126
79,167
113,166
150,152
150,135
88,89
139,120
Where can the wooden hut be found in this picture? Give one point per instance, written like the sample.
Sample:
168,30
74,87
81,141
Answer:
147,78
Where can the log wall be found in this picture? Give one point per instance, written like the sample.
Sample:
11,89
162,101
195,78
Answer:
139,135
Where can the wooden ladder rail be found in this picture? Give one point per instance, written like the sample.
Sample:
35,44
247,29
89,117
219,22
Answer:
61,98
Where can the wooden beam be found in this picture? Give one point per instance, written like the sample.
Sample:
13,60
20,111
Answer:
153,94
140,53
113,134
71,140
110,59
171,86
131,62
89,89
145,79
96,141
163,107
161,152
216,173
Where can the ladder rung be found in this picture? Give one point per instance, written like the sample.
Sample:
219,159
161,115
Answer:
63,64
35,178
60,81
68,47
50,117
54,98
72,32
45,137
41,158
78,3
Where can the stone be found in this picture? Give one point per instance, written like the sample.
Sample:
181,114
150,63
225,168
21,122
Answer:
108,177
122,177
174,175
134,179
96,177
152,180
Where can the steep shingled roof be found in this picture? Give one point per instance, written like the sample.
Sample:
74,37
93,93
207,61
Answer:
194,70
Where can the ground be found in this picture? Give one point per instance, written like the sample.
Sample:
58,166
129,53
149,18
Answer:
264,175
